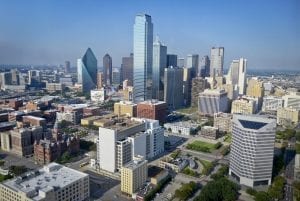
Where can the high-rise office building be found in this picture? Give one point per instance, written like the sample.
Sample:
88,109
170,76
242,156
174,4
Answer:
204,67
142,54
187,86
252,149
100,80
67,66
237,75
180,62
216,61
198,85
173,82
127,68
171,60
213,101
107,69
116,77
192,61
87,71
158,65
255,88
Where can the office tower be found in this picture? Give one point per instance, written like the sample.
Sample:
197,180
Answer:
134,175
107,70
237,75
87,71
100,80
255,88
213,101
67,67
198,85
152,109
34,77
252,149
142,57
204,67
292,100
180,62
15,77
116,76
287,116
171,60
187,86
192,61
127,68
216,61
272,103
51,182
173,93
243,106
159,64
118,138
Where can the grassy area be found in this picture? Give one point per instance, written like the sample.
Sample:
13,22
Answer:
189,110
190,172
207,167
203,146
228,138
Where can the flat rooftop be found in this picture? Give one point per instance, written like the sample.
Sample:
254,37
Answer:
51,176
152,102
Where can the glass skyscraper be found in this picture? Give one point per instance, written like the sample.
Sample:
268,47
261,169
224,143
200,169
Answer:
87,71
107,69
142,53
216,61
159,64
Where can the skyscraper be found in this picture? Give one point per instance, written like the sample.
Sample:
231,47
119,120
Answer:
216,61
142,54
204,67
127,68
252,149
159,64
107,69
237,75
180,62
192,61
173,92
172,60
87,71
67,66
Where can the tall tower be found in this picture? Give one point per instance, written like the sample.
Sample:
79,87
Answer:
142,57
107,69
159,64
67,66
252,149
87,71
204,67
216,61
192,61
127,68
237,75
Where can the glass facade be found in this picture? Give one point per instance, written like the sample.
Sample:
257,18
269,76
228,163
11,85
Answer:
87,71
142,62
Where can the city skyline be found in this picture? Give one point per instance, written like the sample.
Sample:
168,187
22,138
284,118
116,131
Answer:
266,33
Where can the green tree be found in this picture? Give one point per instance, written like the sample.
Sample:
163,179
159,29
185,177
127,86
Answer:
262,196
276,190
17,170
186,191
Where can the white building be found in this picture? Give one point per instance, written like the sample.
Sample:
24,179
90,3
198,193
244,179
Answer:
213,101
272,103
182,128
216,61
237,75
98,95
51,183
252,149
292,100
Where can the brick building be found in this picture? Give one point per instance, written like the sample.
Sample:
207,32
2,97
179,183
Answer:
152,109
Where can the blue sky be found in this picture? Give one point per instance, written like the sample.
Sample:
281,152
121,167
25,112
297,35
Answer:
266,32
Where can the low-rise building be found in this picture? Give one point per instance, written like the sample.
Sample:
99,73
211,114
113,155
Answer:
152,109
125,108
243,106
134,175
209,132
272,103
223,121
5,141
182,128
53,182
287,116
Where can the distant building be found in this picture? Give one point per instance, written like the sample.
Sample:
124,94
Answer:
125,108
34,121
180,62
252,149
107,70
98,95
152,109
255,88
66,81
223,121
204,67
287,116
128,93
237,75
159,64
292,100
100,80
198,85
55,87
67,67
212,101
116,77
52,182
134,175
87,71
243,106
272,103
127,68
171,60
143,57
216,61
173,88
187,86
192,61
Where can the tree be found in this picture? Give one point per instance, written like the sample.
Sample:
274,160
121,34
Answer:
17,170
262,196
186,191
251,191
276,190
